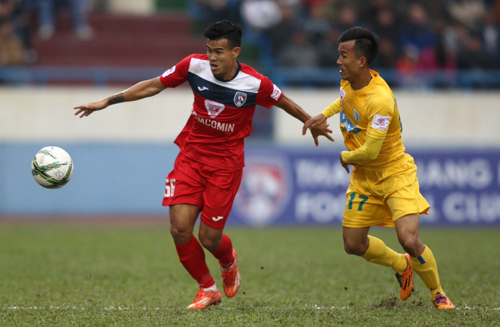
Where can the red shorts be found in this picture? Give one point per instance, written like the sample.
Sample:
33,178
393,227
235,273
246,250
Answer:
211,189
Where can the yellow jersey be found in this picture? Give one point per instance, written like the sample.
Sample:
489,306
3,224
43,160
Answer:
371,111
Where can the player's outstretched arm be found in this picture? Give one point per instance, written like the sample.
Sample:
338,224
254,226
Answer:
296,111
313,122
138,91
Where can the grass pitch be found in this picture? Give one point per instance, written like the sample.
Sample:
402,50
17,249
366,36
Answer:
61,275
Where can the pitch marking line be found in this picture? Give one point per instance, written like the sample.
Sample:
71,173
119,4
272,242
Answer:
112,308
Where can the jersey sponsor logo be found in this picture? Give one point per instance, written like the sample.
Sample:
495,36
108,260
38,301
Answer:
168,72
342,96
214,108
217,218
240,98
202,88
265,190
380,122
223,127
276,93
347,124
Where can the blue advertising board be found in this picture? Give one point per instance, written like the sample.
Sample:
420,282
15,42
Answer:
280,185
294,186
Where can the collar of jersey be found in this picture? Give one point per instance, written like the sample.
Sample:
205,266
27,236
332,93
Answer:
235,74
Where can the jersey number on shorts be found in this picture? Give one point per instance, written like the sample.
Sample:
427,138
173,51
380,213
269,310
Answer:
169,192
363,200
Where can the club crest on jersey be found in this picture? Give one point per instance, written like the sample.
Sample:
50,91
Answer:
214,108
342,96
356,114
240,98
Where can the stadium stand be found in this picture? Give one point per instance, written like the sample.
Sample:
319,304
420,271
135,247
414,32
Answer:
125,48
122,41
424,44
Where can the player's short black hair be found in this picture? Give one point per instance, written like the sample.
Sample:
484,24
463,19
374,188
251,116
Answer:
225,29
366,42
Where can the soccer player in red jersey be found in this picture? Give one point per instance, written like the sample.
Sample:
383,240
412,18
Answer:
208,169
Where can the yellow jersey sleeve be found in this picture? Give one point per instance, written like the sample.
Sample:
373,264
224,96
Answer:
367,152
380,115
332,109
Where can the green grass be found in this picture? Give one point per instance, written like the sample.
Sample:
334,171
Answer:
130,276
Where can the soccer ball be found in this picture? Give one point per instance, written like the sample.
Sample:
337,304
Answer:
52,167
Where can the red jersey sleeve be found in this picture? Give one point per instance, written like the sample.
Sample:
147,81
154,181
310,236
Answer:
269,94
176,75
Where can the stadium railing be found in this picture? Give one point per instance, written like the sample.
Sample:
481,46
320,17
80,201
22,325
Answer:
321,77
437,79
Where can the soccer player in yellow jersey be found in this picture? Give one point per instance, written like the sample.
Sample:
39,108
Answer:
383,189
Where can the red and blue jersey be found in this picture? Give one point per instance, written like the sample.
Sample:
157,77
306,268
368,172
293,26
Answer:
222,110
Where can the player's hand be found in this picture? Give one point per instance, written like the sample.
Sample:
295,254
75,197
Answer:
86,109
318,126
344,164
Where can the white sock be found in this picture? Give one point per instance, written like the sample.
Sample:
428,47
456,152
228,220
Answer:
212,288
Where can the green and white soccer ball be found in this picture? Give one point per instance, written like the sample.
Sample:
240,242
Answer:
52,167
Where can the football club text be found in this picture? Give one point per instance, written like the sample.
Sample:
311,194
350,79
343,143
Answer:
223,127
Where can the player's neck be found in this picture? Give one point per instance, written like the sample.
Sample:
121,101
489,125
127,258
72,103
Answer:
230,74
361,80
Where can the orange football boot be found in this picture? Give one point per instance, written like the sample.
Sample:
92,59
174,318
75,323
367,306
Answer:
204,299
231,279
406,280
442,302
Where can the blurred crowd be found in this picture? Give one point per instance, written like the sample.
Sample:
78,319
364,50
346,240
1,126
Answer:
16,24
414,35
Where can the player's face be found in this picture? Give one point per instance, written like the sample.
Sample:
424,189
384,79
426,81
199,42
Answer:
222,58
348,62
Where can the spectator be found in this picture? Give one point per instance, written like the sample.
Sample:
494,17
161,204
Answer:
47,10
467,12
490,33
210,11
299,53
15,13
386,57
452,36
445,56
20,20
368,12
261,15
316,25
495,9
270,23
386,26
322,37
418,38
473,56
347,18
282,33
415,35
11,47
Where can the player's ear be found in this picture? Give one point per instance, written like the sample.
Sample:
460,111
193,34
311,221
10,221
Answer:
362,62
236,52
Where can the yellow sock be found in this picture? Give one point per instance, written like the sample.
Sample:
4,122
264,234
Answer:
380,254
426,267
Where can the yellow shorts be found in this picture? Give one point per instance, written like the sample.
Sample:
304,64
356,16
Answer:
378,197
